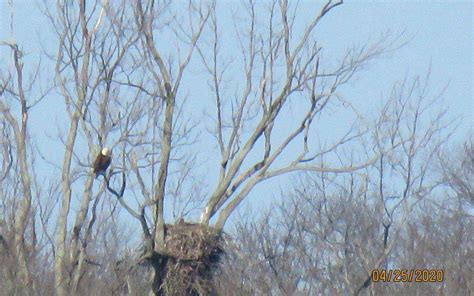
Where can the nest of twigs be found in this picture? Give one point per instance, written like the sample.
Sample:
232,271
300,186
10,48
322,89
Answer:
192,254
190,242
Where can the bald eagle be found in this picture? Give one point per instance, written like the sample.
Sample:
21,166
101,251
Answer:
102,162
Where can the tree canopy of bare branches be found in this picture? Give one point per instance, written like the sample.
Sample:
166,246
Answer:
161,83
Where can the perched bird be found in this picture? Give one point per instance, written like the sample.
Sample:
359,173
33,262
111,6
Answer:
102,162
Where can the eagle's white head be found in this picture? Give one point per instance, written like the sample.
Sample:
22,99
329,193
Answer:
106,151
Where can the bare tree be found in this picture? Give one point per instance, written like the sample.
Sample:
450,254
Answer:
458,171
244,125
92,43
267,93
16,125
332,230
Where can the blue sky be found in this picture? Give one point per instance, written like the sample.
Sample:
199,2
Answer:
440,34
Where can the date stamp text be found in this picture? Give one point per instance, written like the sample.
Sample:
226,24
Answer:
408,275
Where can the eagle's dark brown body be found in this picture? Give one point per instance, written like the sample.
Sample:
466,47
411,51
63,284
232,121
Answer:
102,162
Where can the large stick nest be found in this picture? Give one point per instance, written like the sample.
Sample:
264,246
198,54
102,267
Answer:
192,252
193,242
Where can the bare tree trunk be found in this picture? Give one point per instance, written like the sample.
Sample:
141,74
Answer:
62,281
20,133
77,251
